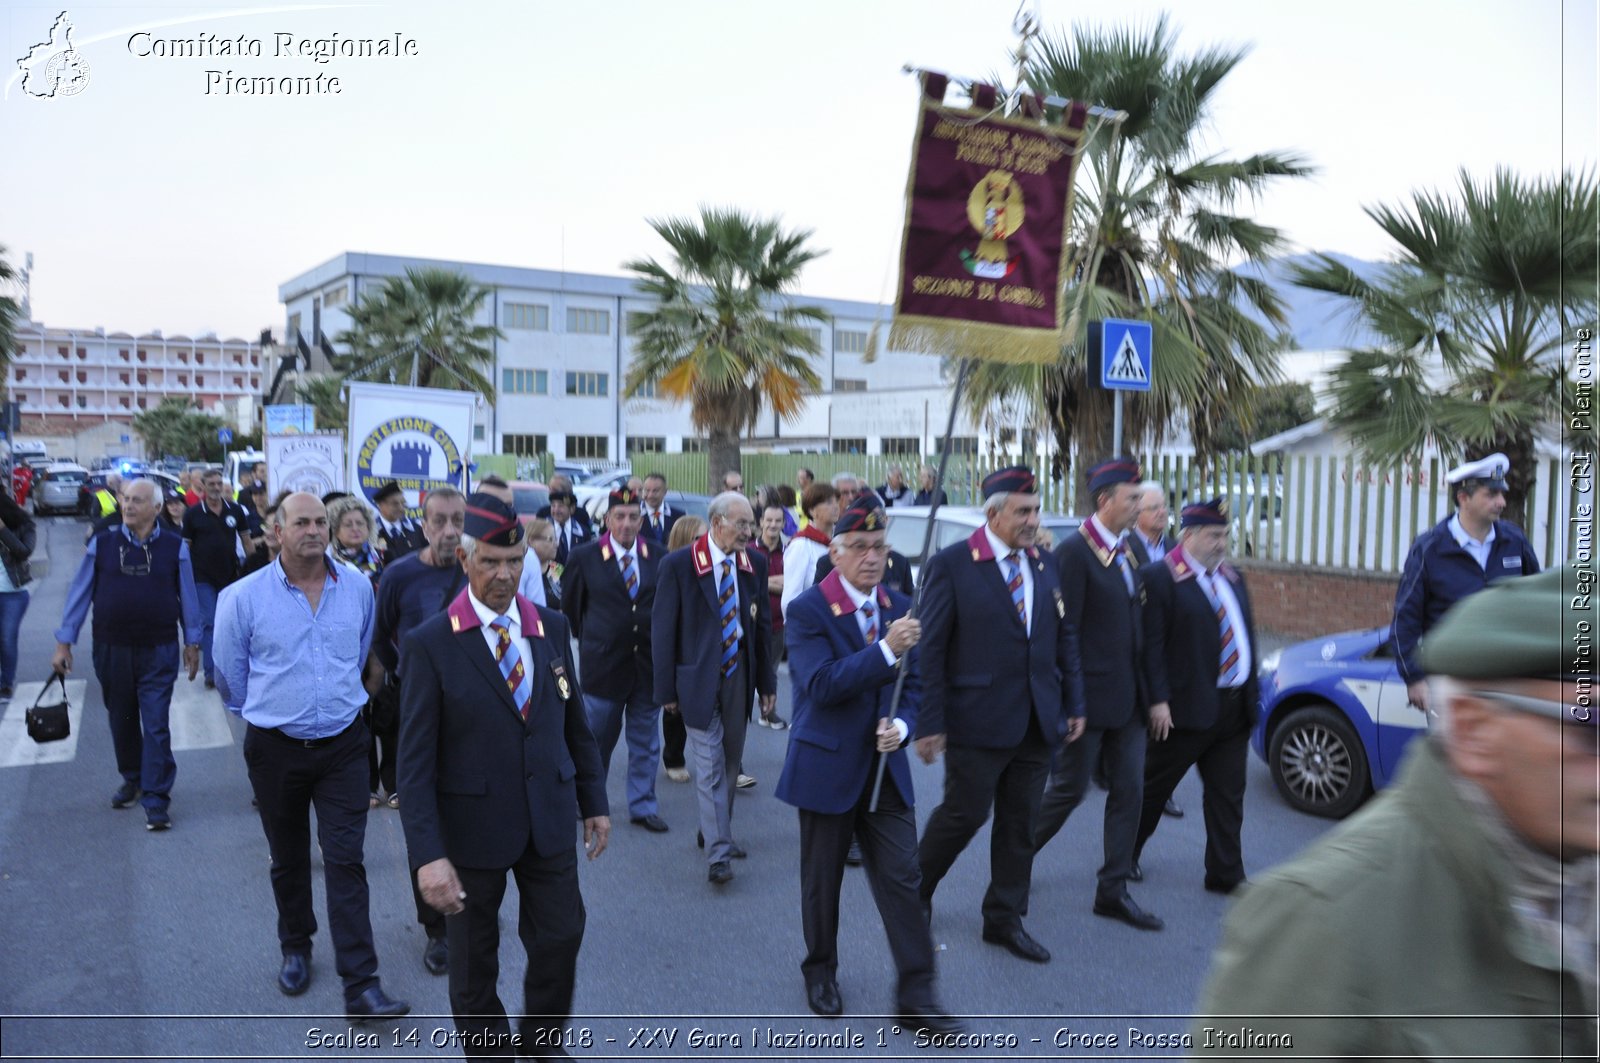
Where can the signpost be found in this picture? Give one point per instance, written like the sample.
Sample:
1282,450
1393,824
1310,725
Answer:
1126,352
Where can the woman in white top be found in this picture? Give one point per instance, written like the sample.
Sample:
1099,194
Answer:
810,544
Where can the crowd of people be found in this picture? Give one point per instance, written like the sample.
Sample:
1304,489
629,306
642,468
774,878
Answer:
476,670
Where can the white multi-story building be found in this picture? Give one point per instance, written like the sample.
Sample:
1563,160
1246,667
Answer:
70,380
566,352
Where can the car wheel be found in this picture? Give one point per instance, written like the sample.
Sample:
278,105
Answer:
1318,763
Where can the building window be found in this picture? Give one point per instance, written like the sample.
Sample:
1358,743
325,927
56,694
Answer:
183,356
647,390
238,382
64,375
183,380
588,385
123,354
199,380
848,446
22,374
525,446
199,357
478,432
590,322
816,336
141,354
123,377
960,446
144,378
293,332
525,315
334,296
849,342
588,447
524,382
841,384
83,402
694,445
904,446
635,321
83,353
124,403
141,403
646,445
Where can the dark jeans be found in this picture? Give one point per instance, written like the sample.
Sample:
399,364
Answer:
289,779
206,595
13,604
136,685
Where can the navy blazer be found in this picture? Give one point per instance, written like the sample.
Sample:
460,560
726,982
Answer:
613,629
842,688
1183,642
1141,552
478,781
687,625
983,677
668,518
1439,573
1106,622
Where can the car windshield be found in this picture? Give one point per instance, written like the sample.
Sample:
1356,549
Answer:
530,500
66,476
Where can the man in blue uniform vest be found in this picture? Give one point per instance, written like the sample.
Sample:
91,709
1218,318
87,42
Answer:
1461,555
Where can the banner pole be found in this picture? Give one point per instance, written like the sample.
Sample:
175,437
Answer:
927,543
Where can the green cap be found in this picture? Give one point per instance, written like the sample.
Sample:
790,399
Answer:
1531,627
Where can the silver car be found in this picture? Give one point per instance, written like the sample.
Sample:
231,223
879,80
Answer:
60,489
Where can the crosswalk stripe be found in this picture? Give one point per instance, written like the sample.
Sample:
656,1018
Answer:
197,719
17,749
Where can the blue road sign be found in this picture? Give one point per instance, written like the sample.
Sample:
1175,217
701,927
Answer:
224,435
1126,353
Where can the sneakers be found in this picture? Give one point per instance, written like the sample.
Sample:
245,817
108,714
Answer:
394,800
126,795
678,774
157,819
776,722
744,782
374,801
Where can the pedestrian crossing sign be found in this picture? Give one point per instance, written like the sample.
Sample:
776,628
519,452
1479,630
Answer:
1125,354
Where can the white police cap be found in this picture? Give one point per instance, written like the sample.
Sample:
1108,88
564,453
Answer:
1490,471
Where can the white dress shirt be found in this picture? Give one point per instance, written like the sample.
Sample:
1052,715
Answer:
857,598
492,637
1222,590
531,586
1000,551
1156,548
1124,565
1478,550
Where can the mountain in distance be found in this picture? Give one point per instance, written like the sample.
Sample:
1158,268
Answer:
1317,321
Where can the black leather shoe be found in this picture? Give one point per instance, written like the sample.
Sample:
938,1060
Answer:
1019,943
823,997
853,855
720,874
374,1003
1173,809
436,957
1123,908
126,795
653,823
930,1018
1213,886
1137,874
296,974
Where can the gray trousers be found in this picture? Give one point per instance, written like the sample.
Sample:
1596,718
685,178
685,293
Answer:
715,753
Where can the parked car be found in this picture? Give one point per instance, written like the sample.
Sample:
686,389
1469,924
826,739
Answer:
595,503
1335,720
529,496
60,489
908,525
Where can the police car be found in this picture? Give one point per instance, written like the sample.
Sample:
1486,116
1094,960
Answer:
1335,720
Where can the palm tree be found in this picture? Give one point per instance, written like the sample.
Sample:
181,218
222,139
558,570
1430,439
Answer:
1471,320
723,337
10,314
1159,231
421,330
325,394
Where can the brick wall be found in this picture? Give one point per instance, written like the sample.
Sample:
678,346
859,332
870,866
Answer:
1295,601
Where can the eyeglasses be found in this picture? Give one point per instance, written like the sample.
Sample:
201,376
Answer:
741,525
136,566
1580,730
867,549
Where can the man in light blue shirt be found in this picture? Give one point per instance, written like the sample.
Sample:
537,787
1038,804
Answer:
290,642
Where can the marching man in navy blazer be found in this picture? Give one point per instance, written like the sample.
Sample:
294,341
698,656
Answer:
658,516
846,637
712,633
496,759
1200,668
1104,610
1001,689
607,591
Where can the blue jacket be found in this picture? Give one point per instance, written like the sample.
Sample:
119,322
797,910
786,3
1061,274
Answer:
1439,573
842,688
983,676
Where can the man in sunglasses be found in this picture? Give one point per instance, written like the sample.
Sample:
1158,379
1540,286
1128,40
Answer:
1460,905
141,584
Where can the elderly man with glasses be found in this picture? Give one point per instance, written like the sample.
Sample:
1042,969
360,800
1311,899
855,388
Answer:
140,581
1455,915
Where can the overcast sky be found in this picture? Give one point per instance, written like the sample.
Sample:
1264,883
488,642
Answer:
544,134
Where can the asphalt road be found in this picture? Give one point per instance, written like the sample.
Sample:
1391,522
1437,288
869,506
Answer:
123,944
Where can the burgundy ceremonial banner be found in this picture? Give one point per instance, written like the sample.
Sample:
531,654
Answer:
988,205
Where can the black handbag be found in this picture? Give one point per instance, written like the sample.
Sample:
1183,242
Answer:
50,723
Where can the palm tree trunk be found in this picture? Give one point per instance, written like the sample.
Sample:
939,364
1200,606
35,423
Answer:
723,457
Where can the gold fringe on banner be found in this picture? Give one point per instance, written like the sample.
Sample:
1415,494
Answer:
974,339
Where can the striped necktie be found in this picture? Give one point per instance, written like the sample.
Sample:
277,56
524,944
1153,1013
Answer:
728,606
1014,585
870,615
630,576
510,660
1228,671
